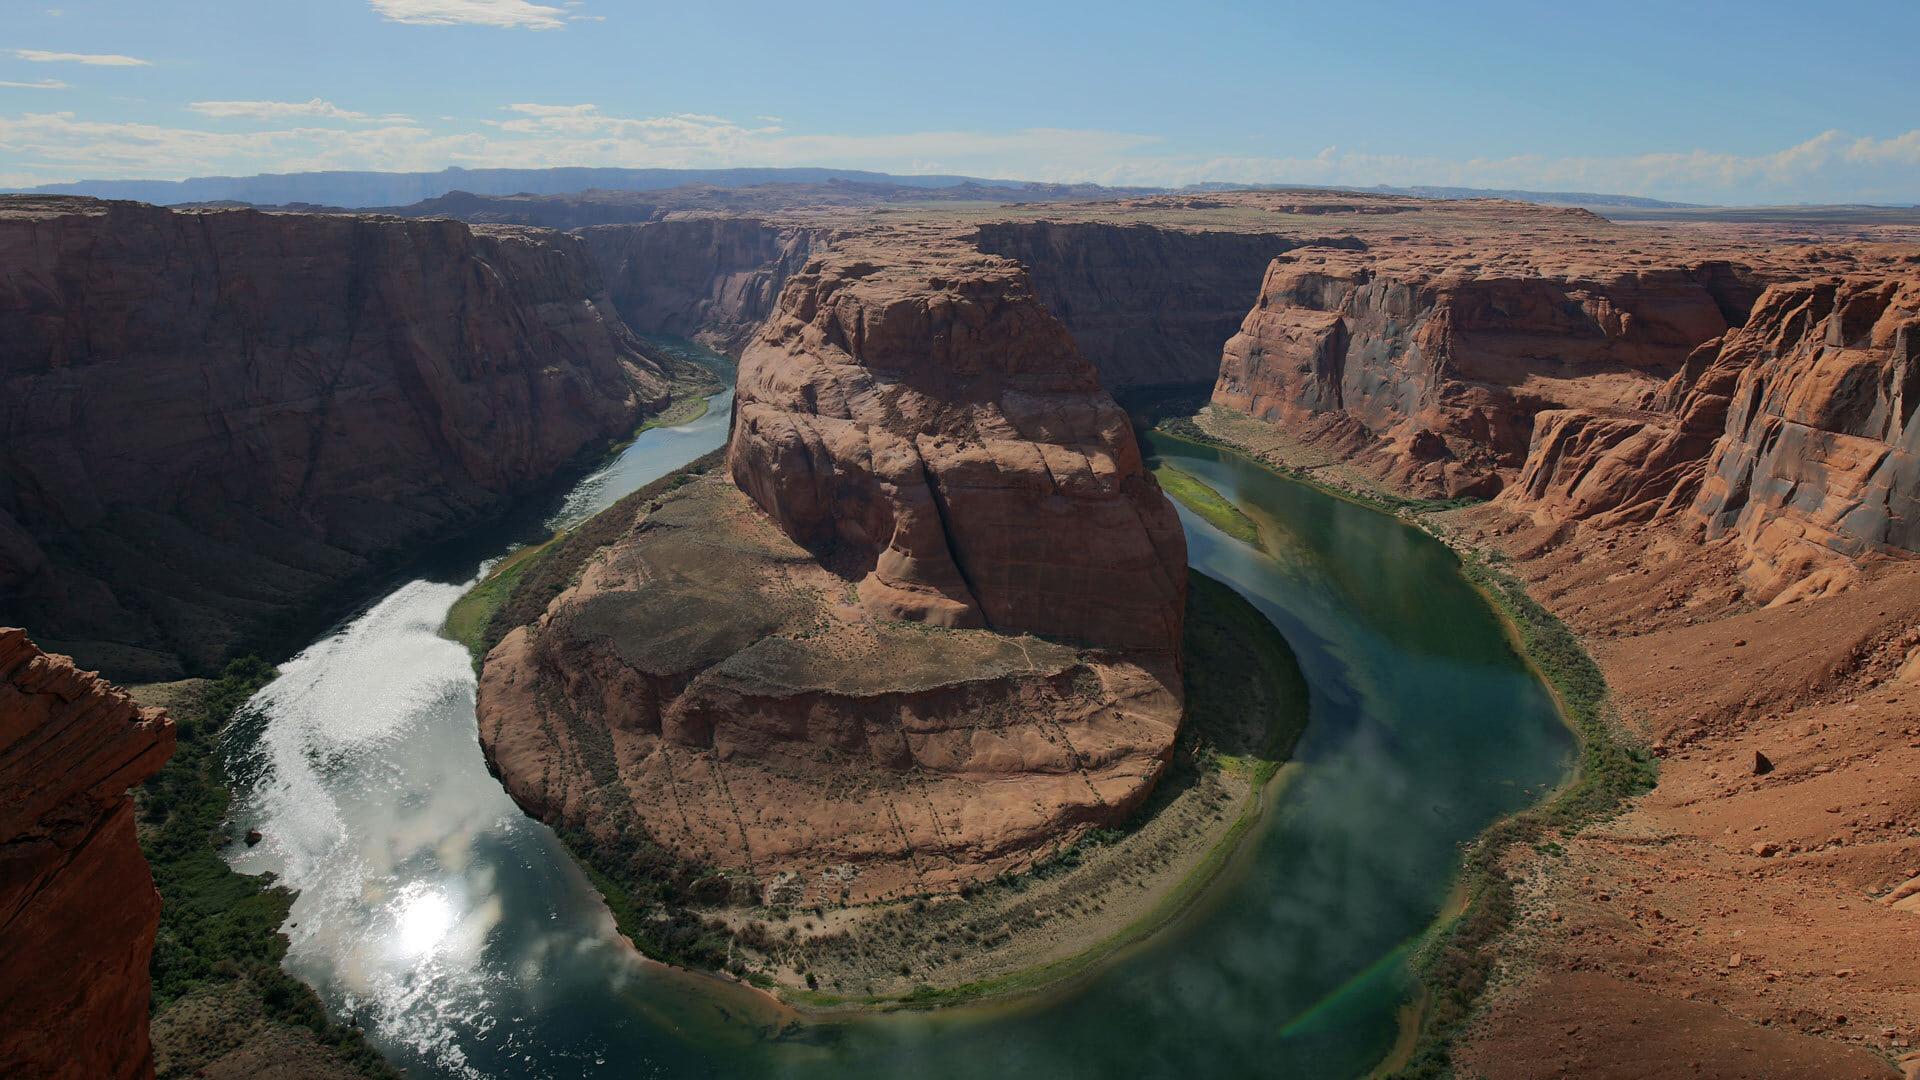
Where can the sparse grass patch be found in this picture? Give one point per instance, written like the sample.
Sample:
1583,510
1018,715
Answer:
468,618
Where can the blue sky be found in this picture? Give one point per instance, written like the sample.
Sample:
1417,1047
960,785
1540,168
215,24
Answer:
1708,102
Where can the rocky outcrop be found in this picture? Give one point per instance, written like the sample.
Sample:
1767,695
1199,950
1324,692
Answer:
208,420
938,618
1149,305
785,746
1631,465
928,423
707,277
1794,434
1821,453
78,911
1434,367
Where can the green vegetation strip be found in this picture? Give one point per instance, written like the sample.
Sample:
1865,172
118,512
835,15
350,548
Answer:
683,410
467,619
521,586
219,929
1195,495
1184,429
1455,960
1246,710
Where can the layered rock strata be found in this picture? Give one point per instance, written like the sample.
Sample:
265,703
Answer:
1438,368
710,278
932,427
931,636
208,420
78,911
1147,305
1793,434
1821,453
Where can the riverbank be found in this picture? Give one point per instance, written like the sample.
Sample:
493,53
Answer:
222,1003
694,387
1455,960
1027,933
1014,935
1657,620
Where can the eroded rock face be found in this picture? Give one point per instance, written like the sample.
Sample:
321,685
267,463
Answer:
1794,434
926,423
1821,453
710,278
1629,465
709,688
78,911
1435,364
210,419
930,636
1147,305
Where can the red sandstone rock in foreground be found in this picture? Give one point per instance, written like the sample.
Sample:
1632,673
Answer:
78,910
869,715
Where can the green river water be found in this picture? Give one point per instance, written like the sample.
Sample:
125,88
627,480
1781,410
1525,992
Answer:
459,934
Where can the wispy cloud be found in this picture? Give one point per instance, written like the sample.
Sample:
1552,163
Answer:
1831,166
41,56
321,135
43,84
280,110
503,13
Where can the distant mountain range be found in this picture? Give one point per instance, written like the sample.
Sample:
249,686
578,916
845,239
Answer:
356,190
1545,198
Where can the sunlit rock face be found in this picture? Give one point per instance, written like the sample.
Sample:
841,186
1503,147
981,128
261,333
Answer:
924,630
1821,453
923,418
1435,363
78,911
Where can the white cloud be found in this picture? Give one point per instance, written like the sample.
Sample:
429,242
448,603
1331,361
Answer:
503,13
1831,166
41,56
60,145
276,110
43,84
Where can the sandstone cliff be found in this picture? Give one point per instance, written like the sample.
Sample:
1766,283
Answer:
710,278
929,422
1821,453
78,911
1435,365
1148,305
925,446
208,420
1793,434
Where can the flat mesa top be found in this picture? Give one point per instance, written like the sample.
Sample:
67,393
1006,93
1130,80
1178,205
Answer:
1390,233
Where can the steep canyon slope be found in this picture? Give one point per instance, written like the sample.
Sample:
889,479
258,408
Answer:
208,420
1706,469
